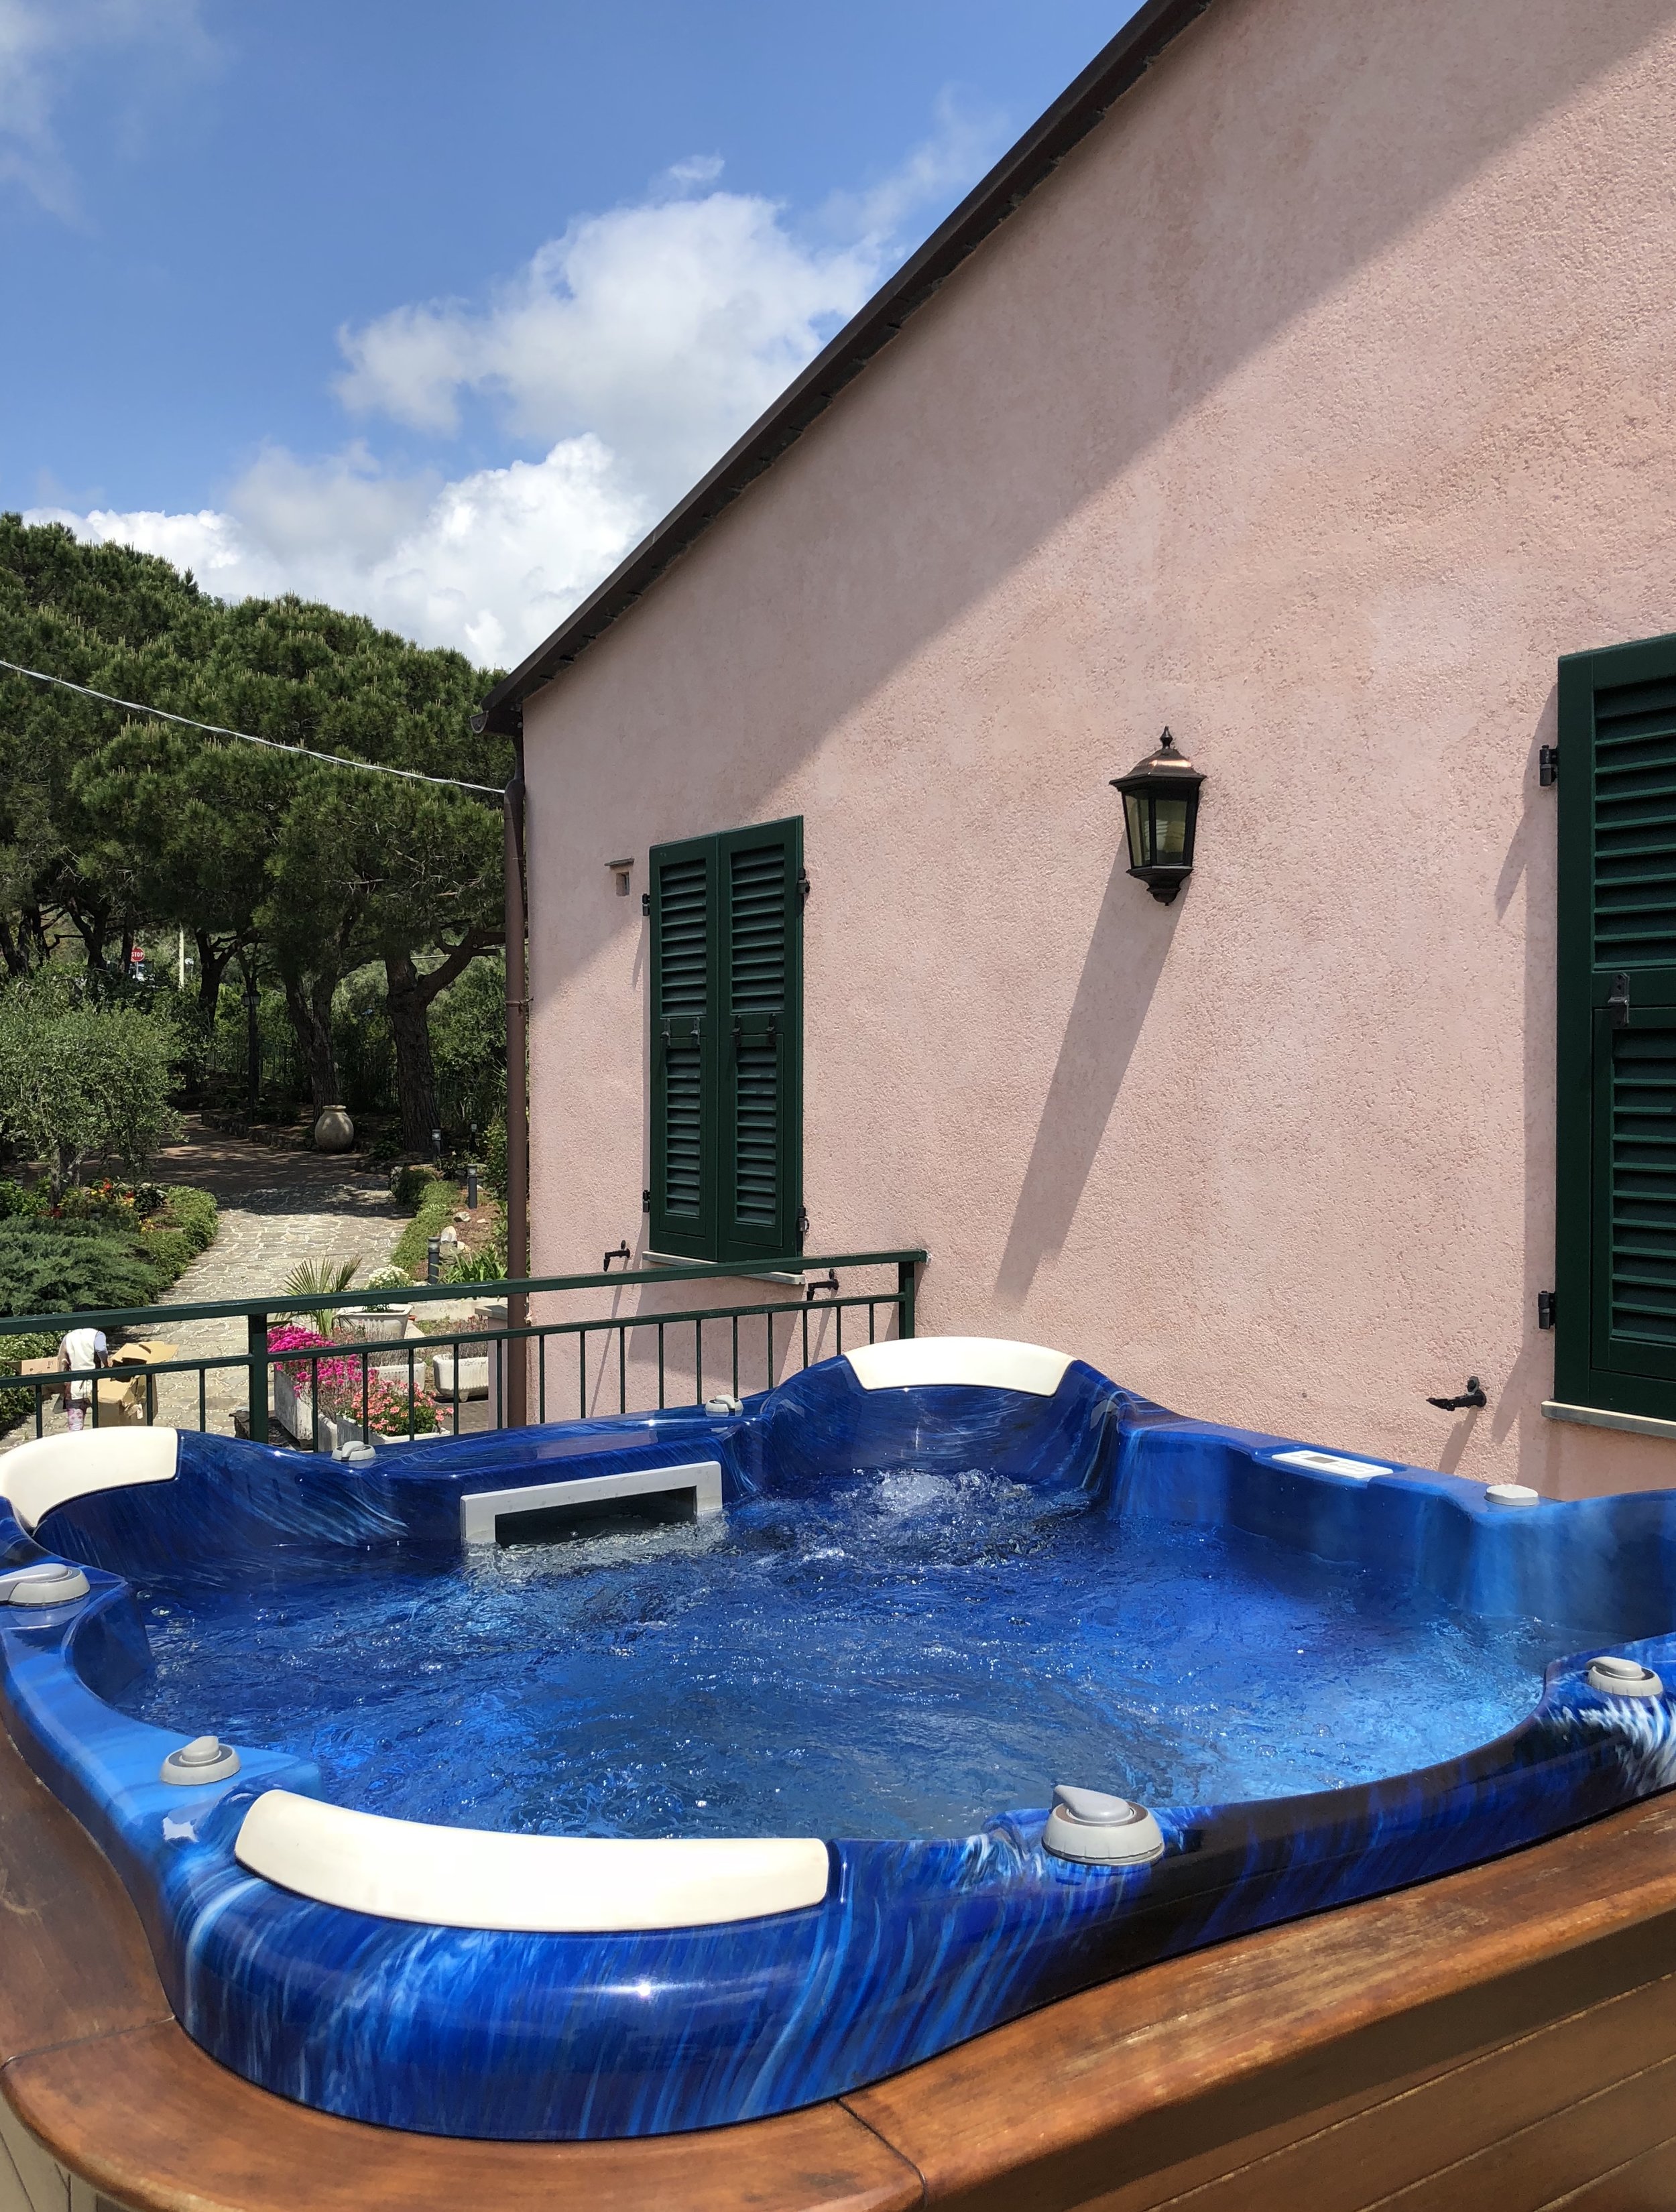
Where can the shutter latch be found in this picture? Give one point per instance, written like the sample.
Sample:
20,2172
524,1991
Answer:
1617,1002
1547,765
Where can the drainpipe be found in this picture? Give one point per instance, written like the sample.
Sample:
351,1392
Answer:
509,721
518,1096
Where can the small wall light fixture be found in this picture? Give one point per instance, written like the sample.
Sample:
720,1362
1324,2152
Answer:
1160,813
620,870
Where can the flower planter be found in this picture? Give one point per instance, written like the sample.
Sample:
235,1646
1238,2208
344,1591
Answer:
375,1324
467,1376
334,1434
293,1409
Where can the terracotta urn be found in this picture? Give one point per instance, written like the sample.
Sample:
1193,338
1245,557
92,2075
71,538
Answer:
334,1131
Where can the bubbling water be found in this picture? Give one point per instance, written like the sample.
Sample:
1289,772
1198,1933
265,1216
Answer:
904,1654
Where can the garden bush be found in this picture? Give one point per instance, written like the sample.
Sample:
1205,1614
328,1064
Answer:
484,1266
437,1202
191,1214
43,1270
16,1405
409,1185
85,1255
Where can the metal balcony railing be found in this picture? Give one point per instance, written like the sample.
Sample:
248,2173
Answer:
386,1390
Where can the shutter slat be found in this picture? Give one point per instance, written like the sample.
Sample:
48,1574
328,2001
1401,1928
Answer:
1640,1164
682,1050
1633,783
757,952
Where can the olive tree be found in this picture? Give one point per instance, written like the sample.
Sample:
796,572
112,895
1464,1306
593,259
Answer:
80,1082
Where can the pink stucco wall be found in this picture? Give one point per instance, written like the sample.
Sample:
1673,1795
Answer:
1317,405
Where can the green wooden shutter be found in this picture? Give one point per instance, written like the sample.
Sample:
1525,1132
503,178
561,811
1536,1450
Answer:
1616,1268
761,1118
684,966
727,1044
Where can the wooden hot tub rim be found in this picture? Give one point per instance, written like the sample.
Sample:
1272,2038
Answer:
1203,2067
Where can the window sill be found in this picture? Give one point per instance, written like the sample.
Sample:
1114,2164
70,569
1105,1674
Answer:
1598,1417
723,1267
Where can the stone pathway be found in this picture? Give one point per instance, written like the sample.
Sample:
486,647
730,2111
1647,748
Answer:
278,1209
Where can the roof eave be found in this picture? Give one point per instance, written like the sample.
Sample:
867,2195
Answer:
1030,162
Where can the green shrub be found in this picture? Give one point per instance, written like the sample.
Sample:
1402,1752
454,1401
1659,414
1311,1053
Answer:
43,1271
483,1267
14,1200
410,1187
192,1213
183,1225
16,1404
75,1263
494,1156
167,1254
436,1205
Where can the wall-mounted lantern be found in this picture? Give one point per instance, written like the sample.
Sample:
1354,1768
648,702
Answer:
1160,812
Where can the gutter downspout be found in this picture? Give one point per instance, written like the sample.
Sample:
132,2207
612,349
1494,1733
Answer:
508,721
518,1094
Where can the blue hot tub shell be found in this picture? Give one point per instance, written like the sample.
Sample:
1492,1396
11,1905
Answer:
915,1946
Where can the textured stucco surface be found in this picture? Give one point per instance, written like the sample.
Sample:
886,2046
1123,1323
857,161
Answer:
1321,401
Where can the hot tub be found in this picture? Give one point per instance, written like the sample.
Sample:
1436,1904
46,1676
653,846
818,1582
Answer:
640,1775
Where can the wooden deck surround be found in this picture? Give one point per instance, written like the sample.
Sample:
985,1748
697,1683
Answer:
1504,2039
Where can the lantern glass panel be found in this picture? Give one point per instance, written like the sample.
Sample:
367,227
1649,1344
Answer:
1136,811
1169,829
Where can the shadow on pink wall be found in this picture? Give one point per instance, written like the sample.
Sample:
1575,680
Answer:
1531,863
1125,959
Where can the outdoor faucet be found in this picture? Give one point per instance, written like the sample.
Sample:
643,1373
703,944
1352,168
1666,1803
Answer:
1472,1395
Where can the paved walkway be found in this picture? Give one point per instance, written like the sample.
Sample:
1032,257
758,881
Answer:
278,1209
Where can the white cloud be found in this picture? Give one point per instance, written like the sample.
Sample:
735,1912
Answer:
490,563
631,352
664,329
698,169
43,42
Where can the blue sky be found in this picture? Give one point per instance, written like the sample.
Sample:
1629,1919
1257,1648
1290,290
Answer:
431,308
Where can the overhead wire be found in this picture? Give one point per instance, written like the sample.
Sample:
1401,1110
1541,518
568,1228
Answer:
244,737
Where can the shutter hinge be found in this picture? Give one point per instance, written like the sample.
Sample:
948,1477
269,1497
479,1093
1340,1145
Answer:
1617,1002
1544,1309
646,901
803,1226
803,887
646,1201
1547,765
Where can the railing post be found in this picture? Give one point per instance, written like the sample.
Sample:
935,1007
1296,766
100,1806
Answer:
256,1326
905,1297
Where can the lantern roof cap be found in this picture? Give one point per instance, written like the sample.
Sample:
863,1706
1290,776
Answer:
1166,764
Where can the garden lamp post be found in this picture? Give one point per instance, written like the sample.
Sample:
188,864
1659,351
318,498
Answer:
1160,814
